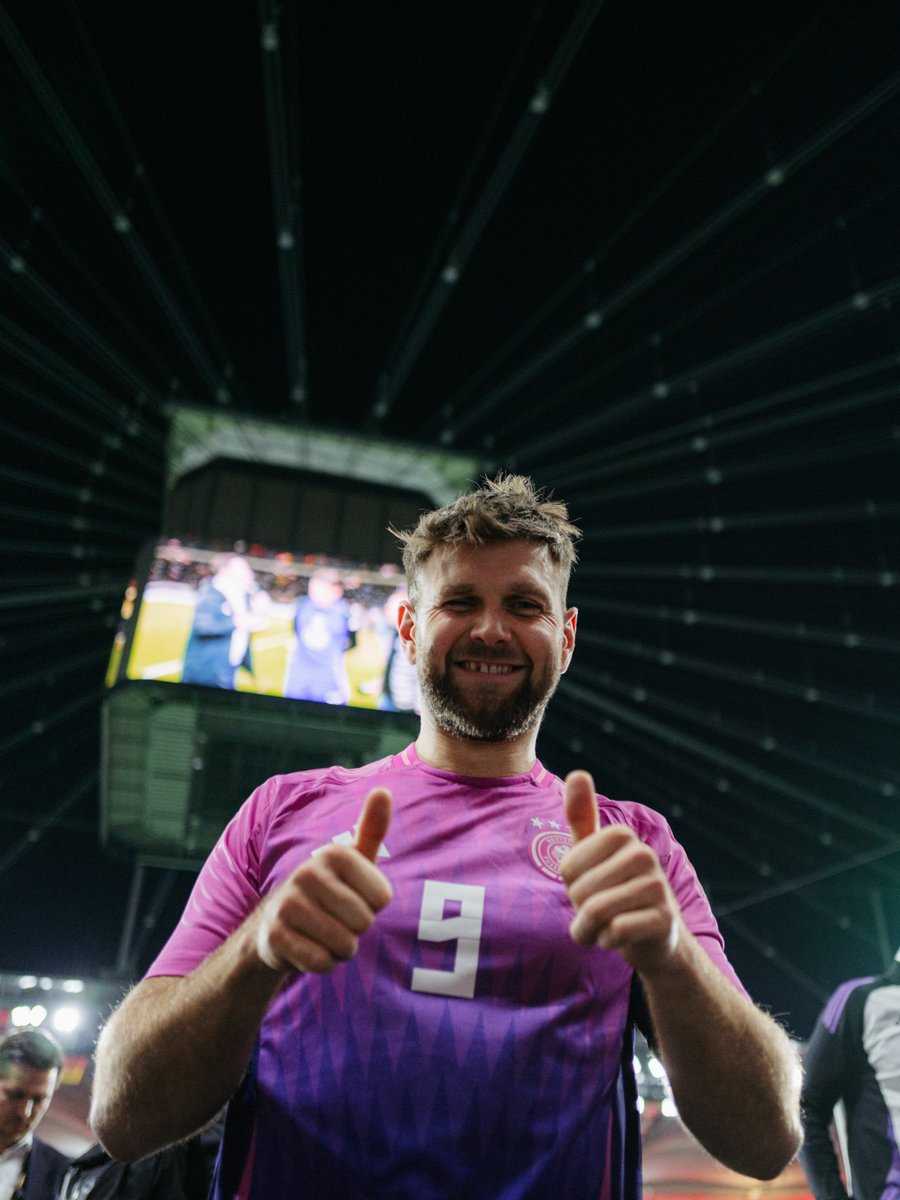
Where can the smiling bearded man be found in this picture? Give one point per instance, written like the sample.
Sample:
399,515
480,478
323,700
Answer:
493,683
420,976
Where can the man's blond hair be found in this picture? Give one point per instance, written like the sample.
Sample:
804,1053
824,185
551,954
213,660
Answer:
505,508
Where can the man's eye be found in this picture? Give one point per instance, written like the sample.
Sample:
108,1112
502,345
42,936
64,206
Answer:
459,603
526,605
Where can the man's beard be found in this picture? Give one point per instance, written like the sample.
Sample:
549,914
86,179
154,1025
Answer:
495,718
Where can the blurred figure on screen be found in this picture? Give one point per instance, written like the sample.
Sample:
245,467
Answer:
230,606
322,626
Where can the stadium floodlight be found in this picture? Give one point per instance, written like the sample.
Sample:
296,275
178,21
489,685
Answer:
21,1015
66,1019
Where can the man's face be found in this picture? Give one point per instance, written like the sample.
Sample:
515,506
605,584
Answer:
25,1095
490,638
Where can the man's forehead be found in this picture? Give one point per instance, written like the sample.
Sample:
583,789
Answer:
513,562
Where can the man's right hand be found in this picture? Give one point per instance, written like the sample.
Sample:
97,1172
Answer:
314,920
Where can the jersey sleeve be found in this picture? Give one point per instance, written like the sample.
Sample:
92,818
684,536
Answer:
655,831
226,891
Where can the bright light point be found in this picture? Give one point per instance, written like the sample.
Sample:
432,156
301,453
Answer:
450,273
27,981
38,1015
640,1104
45,983
775,177
20,1015
655,1067
668,1107
638,1069
73,985
540,101
66,1019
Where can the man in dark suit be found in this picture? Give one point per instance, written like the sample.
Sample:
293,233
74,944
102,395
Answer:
30,1066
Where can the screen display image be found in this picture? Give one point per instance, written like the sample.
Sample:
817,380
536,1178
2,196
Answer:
297,625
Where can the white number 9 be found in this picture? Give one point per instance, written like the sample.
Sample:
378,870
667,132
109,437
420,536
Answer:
464,929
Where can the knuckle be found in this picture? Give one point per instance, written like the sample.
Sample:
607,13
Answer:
594,910
363,922
330,859
318,960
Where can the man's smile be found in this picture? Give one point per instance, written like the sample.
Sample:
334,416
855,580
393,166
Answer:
488,668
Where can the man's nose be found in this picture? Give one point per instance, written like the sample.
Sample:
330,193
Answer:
491,626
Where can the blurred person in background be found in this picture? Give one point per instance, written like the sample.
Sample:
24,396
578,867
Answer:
853,1058
30,1066
181,1172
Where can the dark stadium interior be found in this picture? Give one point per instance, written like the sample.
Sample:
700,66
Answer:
645,253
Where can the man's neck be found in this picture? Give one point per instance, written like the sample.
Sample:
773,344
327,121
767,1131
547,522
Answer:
484,760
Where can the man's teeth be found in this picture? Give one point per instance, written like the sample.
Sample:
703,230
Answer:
489,668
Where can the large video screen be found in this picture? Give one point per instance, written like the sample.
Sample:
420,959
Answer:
298,625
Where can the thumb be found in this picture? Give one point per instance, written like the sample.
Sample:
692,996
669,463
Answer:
373,822
581,805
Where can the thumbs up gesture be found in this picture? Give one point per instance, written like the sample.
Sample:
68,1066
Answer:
620,893
315,918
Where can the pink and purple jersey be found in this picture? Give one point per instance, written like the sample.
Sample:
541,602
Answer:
471,1048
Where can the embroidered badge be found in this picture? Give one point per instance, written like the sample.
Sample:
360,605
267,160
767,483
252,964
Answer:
547,849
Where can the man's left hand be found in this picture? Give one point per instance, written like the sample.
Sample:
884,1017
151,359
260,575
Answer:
622,898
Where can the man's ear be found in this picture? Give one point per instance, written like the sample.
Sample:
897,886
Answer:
406,626
570,620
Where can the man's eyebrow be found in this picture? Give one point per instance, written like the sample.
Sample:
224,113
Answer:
520,587
456,589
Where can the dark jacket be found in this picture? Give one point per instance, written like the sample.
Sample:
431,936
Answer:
178,1173
46,1168
854,1056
